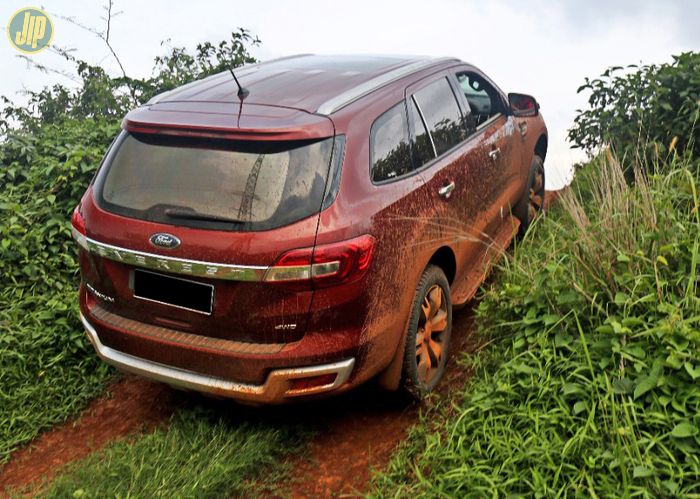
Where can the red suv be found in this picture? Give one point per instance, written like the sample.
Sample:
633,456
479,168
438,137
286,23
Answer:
307,231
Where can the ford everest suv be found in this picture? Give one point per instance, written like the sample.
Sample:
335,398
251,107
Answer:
309,231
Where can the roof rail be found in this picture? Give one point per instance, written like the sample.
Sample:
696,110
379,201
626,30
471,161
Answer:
340,101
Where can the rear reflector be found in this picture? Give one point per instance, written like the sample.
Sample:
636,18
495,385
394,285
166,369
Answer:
312,382
324,265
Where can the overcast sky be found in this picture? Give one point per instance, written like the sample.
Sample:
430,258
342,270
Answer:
545,48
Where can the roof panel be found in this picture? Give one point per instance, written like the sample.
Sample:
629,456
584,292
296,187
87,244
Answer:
302,82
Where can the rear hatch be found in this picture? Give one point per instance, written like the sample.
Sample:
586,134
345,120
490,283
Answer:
190,208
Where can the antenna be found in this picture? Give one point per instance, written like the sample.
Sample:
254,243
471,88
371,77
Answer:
242,92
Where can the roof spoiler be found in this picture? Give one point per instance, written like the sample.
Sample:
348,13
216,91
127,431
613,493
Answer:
215,121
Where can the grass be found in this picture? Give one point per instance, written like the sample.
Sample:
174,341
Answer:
202,452
590,385
46,372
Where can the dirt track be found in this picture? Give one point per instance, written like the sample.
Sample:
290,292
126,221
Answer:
131,404
363,428
356,432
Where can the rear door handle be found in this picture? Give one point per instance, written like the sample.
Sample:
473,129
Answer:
446,190
494,153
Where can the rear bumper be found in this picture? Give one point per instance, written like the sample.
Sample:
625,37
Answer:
277,388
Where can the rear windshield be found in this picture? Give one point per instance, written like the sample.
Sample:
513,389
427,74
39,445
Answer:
214,184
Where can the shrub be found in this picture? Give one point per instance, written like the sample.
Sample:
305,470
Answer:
647,111
99,95
47,369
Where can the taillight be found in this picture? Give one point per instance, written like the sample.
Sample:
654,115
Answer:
78,223
325,265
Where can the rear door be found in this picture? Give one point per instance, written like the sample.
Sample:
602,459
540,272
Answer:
436,125
451,166
233,206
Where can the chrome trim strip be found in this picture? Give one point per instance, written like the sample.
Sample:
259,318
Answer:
350,96
425,125
277,387
171,264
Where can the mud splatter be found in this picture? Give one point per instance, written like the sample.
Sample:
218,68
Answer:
356,432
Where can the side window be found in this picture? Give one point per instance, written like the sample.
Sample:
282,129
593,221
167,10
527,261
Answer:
390,152
442,116
484,100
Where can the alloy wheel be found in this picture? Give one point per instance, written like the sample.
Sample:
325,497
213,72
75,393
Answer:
430,337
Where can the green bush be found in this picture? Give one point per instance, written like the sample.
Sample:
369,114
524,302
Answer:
49,151
647,111
592,384
47,368
101,96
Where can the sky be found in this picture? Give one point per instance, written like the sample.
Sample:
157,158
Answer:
544,48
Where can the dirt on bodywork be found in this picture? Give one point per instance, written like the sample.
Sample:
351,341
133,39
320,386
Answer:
354,433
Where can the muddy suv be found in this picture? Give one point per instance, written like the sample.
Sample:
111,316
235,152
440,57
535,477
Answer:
309,232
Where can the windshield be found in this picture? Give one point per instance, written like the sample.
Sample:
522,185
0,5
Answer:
241,185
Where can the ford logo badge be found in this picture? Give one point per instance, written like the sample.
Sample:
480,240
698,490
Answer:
163,240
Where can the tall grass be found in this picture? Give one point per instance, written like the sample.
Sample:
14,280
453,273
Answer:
590,386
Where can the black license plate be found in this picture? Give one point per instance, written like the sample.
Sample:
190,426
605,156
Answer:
174,291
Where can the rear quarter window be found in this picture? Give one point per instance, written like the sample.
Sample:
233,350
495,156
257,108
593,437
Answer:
390,150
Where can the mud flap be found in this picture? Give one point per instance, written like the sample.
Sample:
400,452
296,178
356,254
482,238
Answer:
390,378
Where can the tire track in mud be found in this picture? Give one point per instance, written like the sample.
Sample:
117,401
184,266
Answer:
364,427
130,405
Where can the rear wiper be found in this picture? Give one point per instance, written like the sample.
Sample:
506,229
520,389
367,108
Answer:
195,215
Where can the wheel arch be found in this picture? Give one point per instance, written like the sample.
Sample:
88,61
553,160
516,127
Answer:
541,146
444,257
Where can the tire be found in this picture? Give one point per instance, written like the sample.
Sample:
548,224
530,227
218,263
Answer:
425,357
532,202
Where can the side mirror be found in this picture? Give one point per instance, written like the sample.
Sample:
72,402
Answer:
523,105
